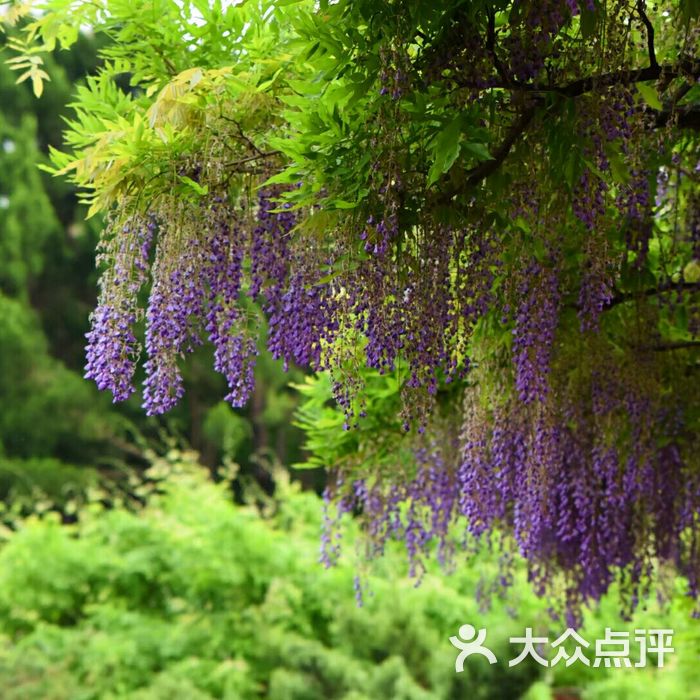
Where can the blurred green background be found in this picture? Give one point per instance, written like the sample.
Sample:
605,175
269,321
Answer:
178,557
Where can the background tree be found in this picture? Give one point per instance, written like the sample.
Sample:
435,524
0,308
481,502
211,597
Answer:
56,432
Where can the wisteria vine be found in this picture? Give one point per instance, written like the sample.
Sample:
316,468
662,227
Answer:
542,272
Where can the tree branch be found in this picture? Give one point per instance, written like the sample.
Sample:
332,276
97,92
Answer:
241,135
581,86
488,167
680,345
641,9
621,298
483,170
620,77
260,156
684,117
491,45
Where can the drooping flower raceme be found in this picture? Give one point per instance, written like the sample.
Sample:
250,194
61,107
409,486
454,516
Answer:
112,348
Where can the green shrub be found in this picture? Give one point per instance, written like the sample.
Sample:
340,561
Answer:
194,597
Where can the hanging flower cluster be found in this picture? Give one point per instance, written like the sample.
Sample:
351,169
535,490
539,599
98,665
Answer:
583,483
195,295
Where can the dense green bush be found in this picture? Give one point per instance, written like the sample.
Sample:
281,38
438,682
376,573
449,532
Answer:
195,597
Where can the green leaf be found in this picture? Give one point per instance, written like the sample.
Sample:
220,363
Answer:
343,204
199,189
447,147
594,169
286,177
618,167
522,224
650,96
571,167
691,272
267,84
478,149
